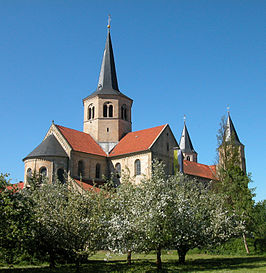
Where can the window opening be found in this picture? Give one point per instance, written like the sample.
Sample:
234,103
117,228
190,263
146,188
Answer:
43,174
29,172
137,167
118,170
60,175
98,170
80,169
110,111
105,110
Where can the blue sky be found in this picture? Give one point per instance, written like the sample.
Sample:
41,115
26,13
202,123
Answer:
172,58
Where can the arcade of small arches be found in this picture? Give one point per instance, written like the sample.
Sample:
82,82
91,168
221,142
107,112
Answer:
108,111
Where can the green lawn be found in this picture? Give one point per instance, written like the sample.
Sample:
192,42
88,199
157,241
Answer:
146,263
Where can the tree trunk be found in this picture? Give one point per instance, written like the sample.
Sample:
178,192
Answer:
159,260
182,254
51,260
77,264
245,243
129,257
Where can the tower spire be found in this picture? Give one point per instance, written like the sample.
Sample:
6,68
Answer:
230,131
186,145
107,79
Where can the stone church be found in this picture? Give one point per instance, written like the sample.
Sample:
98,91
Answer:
107,144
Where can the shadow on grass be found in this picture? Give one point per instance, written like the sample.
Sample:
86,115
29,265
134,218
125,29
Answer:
141,265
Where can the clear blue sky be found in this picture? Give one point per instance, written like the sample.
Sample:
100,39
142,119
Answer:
172,58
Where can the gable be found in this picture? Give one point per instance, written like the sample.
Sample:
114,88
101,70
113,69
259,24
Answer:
137,141
164,143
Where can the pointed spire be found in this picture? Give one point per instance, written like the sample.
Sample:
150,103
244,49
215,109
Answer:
230,132
107,78
185,141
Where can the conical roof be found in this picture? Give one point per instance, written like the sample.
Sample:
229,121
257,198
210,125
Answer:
185,141
230,132
49,147
107,84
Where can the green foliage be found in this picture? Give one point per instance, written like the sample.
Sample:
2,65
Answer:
15,221
233,182
259,218
67,223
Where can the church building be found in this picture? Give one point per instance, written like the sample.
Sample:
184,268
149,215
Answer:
107,144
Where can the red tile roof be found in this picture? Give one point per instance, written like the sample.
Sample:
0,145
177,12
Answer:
137,141
201,170
81,142
86,186
16,187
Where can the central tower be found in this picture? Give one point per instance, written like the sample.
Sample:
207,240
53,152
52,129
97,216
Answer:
107,111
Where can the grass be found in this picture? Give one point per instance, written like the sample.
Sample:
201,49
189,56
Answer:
146,263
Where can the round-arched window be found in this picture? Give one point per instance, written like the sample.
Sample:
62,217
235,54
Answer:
29,172
60,175
80,169
98,171
43,173
137,167
118,169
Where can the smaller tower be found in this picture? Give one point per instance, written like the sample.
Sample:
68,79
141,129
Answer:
230,141
186,145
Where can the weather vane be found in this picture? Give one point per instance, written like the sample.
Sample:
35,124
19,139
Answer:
228,109
109,21
185,118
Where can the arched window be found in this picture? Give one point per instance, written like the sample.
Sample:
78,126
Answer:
80,169
137,167
188,158
98,171
43,173
105,111
118,169
89,117
60,175
91,111
110,111
29,172
167,146
124,112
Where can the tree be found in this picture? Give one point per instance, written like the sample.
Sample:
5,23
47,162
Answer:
154,206
15,220
123,234
259,226
233,181
199,217
66,222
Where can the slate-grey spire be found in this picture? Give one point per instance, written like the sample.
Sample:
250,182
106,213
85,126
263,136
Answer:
107,78
230,132
186,145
